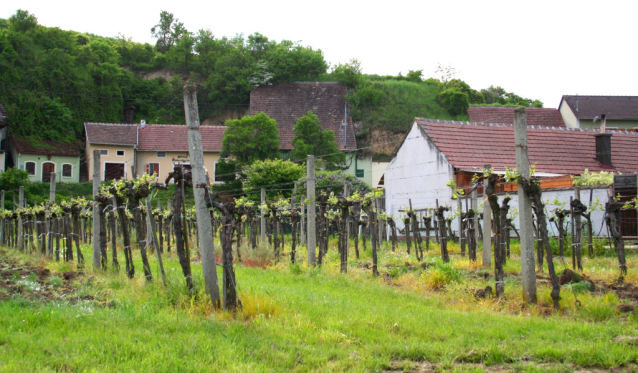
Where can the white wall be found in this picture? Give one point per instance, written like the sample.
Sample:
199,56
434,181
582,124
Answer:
418,172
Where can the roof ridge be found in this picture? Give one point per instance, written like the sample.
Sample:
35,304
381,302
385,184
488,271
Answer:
113,124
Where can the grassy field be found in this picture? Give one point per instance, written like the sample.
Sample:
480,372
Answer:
294,318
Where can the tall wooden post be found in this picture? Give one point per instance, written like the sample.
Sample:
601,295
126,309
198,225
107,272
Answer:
487,225
2,227
311,244
528,271
20,222
302,226
262,226
150,235
49,221
475,223
205,231
52,187
97,255
346,244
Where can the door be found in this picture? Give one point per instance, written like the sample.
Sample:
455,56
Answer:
113,171
47,169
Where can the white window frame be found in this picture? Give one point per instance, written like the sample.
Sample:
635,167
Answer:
104,150
158,168
160,156
104,168
120,150
215,174
35,168
62,170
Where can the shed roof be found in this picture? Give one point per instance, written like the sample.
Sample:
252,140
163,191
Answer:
45,147
111,133
505,115
287,102
614,107
172,137
469,146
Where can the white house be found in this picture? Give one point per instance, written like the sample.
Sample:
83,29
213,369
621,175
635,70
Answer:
435,151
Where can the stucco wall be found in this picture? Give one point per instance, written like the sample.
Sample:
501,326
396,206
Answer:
166,164
378,169
568,116
58,161
418,172
364,164
620,124
111,157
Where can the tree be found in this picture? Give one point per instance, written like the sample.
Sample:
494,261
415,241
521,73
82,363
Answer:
349,73
311,139
454,101
276,172
22,21
168,31
251,138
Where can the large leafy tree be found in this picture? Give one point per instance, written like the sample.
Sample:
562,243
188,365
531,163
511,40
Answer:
251,138
278,176
168,31
311,139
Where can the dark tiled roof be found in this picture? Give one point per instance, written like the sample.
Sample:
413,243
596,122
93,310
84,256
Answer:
470,146
111,133
45,147
614,107
287,102
505,115
171,137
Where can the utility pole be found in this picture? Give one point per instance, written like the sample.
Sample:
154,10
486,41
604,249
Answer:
487,225
97,263
528,271
205,228
312,225
263,216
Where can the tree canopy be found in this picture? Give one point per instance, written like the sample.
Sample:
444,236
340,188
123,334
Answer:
251,138
311,139
279,175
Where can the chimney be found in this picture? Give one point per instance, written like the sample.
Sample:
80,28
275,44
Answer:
143,123
128,114
603,148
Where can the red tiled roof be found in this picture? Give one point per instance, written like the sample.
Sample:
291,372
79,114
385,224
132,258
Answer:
614,107
287,102
172,137
153,137
505,115
111,133
45,147
470,146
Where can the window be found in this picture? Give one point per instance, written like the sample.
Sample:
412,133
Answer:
161,154
104,152
152,168
119,153
67,170
30,168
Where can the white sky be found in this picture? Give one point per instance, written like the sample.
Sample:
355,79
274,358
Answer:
537,49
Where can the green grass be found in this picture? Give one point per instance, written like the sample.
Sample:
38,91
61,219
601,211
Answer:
303,319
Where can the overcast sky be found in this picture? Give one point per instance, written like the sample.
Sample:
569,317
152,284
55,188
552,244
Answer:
537,49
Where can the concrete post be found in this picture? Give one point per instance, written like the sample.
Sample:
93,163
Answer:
204,224
311,244
97,263
263,217
487,226
302,225
52,187
20,222
528,271
346,193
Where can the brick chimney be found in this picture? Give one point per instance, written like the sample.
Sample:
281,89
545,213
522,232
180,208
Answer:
603,148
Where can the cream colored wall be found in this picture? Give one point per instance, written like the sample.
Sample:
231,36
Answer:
620,124
568,116
378,169
128,158
2,161
166,164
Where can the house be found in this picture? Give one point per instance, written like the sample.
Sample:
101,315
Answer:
4,130
41,158
621,112
287,102
129,149
435,151
505,115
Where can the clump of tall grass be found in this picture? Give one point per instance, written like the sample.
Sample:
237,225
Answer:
440,275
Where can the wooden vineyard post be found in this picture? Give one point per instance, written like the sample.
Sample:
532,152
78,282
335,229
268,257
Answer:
302,226
96,212
475,220
263,217
49,220
440,210
205,228
20,222
528,272
461,240
487,224
311,243
2,227
153,237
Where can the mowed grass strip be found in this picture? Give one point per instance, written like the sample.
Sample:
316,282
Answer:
299,319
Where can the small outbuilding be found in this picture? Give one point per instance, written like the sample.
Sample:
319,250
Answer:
41,158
